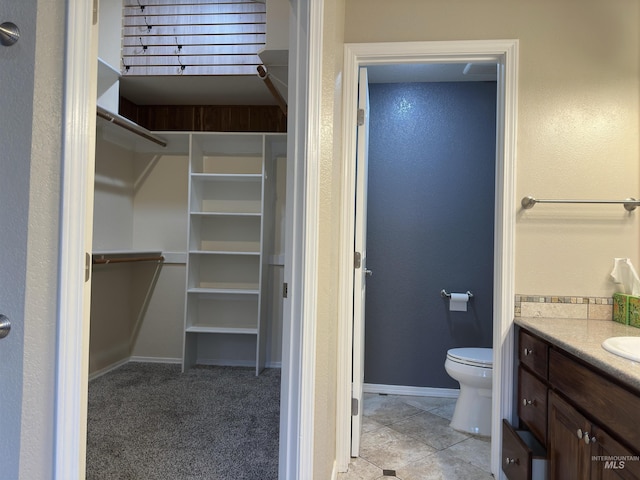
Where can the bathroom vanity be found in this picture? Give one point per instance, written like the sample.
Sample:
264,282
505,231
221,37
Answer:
578,405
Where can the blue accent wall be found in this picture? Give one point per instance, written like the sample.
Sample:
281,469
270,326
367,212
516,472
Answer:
430,225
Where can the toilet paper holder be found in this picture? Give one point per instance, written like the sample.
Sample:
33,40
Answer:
445,294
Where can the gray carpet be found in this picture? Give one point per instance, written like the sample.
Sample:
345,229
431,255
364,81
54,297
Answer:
151,422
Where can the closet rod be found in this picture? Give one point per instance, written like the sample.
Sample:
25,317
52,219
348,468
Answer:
130,126
630,204
104,261
264,75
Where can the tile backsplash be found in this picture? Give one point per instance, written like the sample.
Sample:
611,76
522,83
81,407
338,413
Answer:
551,306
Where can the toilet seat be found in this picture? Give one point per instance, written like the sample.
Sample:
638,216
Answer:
475,357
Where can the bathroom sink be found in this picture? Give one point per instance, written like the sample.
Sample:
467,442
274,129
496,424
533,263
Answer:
627,347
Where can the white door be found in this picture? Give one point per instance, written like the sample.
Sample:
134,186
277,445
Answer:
16,98
361,272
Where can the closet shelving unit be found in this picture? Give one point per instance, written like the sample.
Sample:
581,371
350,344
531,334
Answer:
230,218
231,210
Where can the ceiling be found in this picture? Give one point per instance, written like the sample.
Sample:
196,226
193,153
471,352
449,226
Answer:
203,90
251,90
432,72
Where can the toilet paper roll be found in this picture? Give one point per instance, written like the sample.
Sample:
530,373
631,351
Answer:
458,302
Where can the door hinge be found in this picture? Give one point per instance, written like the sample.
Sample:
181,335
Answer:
87,266
357,259
95,12
354,407
360,117
285,290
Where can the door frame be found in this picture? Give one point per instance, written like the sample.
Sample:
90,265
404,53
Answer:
78,155
297,407
505,54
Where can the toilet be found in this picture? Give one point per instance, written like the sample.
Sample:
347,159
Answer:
473,369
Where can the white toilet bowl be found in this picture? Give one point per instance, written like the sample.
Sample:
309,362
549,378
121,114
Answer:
473,369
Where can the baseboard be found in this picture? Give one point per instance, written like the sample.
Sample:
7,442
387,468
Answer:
178,361
113,366
136,359
409,390
139,359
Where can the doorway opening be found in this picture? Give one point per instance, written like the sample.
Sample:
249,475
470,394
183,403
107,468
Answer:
71,373
504,55
429,226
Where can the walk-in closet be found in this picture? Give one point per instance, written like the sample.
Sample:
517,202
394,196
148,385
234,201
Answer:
188,252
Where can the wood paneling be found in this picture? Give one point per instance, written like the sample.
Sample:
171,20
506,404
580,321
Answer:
205,118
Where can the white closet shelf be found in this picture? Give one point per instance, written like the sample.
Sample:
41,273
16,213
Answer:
126,252
224,252
107,75
231,290
222,214
229,330
117,129
227,177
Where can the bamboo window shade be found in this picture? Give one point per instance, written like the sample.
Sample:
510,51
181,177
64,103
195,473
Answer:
192,37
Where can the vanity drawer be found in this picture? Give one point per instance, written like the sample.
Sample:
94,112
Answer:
532,403
534,353
608,403
523,458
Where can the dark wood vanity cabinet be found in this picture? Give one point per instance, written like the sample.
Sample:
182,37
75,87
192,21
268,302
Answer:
579,449
588,411
586,422
523,448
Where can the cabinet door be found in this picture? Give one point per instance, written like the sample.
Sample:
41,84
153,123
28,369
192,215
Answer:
610,460
569,456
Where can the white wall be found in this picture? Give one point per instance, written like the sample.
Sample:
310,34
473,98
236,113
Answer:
141,203
578,122
32,91
113,197
110,32
277,25
160,222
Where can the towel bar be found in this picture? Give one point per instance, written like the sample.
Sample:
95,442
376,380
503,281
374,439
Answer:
630,204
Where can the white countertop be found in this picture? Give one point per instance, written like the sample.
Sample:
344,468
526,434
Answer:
583,339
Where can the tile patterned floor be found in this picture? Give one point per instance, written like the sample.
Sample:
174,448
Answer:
411,437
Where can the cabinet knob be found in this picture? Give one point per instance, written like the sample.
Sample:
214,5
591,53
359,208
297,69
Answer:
579,433
527,351
526,402
588,439
510,461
